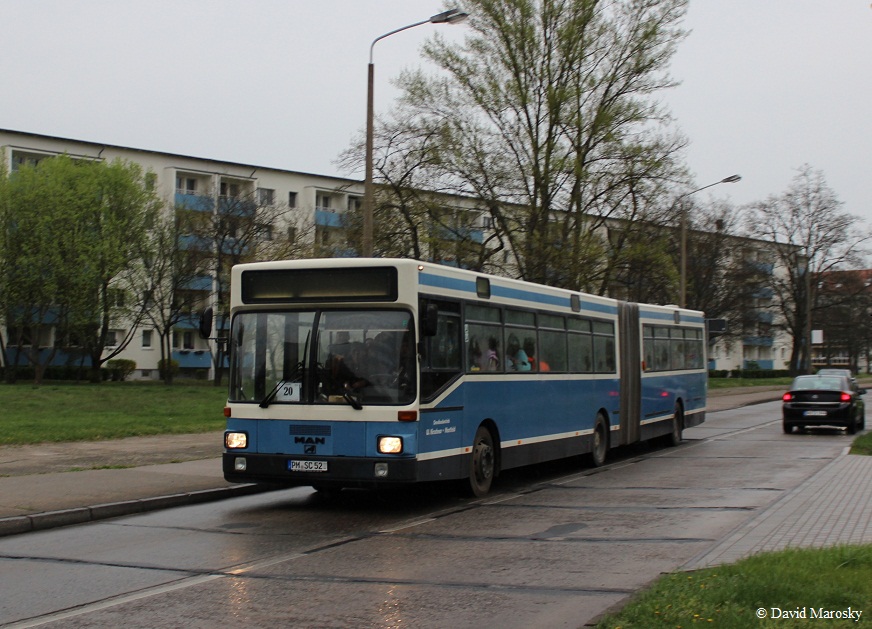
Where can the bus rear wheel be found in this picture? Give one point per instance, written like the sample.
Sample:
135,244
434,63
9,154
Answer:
675,435
482,467
600,447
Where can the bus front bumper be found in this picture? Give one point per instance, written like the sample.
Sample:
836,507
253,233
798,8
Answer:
275,469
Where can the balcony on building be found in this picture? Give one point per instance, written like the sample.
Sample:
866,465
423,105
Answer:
758,341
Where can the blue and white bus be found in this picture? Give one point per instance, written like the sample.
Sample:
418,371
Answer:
365,372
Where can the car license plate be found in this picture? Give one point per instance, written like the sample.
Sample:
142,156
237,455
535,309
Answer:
815,414
307,466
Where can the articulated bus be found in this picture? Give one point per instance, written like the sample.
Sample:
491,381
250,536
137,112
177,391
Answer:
368,372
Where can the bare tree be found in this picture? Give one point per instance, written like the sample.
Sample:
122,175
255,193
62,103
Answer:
167,285
241,229
844,307
812,237
417,216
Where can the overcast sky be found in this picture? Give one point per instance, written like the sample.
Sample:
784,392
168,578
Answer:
766,85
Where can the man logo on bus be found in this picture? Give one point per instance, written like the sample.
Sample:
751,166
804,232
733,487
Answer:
315,441
310,450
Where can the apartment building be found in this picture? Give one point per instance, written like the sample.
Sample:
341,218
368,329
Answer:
313,204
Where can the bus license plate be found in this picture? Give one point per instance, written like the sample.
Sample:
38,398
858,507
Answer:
815,413
307,466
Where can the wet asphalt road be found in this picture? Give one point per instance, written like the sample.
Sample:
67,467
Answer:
552,546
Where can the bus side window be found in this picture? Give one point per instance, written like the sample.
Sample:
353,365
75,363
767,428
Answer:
446,345
442,358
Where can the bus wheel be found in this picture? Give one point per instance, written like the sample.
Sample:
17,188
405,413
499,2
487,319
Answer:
600,447
483,463
674,437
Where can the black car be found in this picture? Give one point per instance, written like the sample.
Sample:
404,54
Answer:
828,371
824,400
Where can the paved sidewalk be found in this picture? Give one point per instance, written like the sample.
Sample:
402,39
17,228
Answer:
40,490
833,507
47,485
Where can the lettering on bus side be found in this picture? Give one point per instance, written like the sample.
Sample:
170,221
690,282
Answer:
445,428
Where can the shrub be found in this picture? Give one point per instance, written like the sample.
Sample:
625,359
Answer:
173,368
749,373
120,369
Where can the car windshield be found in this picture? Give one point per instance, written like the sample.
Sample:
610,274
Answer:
323,357
819,382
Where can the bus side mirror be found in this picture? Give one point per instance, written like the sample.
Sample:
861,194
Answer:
430,320
206,323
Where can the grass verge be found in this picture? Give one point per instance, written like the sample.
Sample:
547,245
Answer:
112,410
863,445
813,584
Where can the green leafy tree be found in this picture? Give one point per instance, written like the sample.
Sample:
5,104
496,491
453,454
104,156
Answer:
38,283
119,210
73,229
546,114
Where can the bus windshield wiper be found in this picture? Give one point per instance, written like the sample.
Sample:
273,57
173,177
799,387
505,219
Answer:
355,403
299,372
271,395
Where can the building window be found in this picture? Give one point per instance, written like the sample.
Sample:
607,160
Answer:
20,159
146,338
112,338
183,340
116,297
266,196
186,185
19,336
229,190
292,199
322,202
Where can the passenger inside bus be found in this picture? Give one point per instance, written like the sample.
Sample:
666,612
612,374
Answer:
493,358
475,355
516,358
535,364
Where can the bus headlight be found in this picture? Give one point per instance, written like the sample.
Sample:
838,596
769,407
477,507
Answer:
235,440
390,445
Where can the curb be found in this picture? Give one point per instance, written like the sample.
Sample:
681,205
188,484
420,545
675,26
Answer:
65,517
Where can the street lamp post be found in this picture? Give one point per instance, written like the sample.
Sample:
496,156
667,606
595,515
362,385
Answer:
451,16
683,294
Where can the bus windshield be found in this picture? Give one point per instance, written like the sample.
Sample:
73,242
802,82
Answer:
354,357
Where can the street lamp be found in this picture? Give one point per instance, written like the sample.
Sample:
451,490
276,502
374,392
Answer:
451,16
683,295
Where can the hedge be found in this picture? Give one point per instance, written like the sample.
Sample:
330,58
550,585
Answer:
749,373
